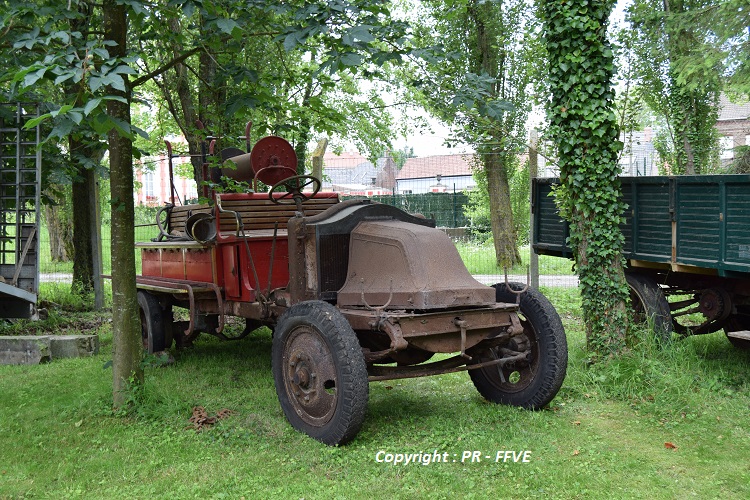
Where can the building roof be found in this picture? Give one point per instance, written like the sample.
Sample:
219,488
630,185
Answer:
346,159
733,110
430,166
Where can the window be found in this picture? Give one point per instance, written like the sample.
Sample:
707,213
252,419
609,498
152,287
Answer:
727,147
148,185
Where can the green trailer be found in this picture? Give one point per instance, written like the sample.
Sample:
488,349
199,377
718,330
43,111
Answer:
687,250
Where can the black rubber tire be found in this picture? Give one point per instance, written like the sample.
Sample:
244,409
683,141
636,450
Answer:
541,378
737,322
320,372
650,305
153,325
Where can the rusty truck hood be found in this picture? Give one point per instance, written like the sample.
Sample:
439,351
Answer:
408,266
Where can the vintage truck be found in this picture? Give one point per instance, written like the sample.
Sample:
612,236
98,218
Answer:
353,292
687,248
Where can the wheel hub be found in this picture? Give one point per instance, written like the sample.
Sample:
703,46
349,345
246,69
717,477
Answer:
715,303
309,377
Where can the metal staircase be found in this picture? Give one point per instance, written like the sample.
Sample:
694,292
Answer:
20,175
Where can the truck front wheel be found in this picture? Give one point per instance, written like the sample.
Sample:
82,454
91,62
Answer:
531,384
319,372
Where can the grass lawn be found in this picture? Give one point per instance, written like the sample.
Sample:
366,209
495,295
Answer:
604,436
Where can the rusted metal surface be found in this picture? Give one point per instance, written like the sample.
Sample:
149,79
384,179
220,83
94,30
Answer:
450,365
387,261
309,375
439,331
185,260
189,287
273,160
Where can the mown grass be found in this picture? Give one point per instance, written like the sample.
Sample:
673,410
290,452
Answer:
479,258
48,266
603,436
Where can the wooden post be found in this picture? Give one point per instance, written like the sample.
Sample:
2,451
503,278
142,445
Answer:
317,158
533,172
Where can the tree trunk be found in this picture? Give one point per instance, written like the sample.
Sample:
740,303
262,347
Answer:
80,149
303,137
498,189
126,328
501,214
60,231
186,115
83,212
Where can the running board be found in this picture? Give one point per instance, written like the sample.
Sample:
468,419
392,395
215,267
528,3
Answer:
742,334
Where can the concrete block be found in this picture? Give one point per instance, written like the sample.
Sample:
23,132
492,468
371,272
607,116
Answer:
73,346
35,349
24,350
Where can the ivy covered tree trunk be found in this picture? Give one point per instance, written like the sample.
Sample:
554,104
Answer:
126,328
584,130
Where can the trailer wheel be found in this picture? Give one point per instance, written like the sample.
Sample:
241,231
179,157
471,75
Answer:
319,372
650,305
531,384
738,322
155,323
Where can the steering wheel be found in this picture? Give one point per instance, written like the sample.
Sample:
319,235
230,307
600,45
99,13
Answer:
294,186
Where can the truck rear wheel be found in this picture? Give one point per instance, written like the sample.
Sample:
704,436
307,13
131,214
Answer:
155,323
320,372
534,383
650,305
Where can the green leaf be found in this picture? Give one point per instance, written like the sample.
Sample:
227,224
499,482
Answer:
227,25
290,41
75,116
91,105
36,121
124,69
362,33
351,59
95,83
62,110
34,77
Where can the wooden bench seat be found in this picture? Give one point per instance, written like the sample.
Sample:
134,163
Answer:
259,214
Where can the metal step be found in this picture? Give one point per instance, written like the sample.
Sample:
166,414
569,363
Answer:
742,334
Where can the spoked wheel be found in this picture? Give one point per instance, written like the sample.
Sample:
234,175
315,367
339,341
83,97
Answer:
320,372
701,312
534,382
649,305
293,189
156,323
